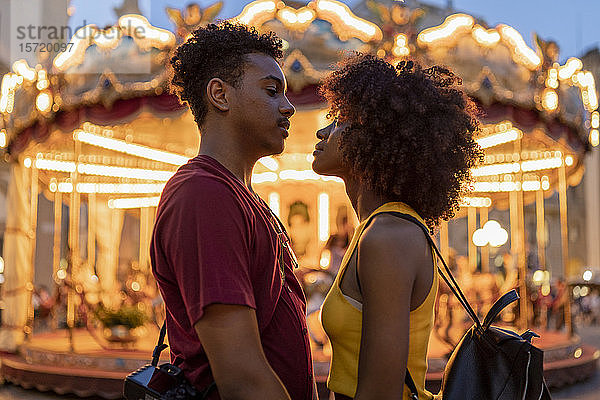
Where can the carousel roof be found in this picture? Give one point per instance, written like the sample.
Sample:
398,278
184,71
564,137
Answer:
539,115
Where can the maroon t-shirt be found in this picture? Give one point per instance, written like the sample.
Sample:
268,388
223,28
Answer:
215,242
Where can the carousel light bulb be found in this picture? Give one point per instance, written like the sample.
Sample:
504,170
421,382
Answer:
65,187
296,19
572,65
523,53
492,225
251,13
497,236
22,68
3,138
530,186
476,202
448,28
550,99
587,275
87,137
584,291
545,289
595,120
594,137
1,265
120,188
325,259
364,30
135,286
27,162
43,102
288,16
492,140
264,177
538,277
270,163
537,165
496,169
136,202
545,185
61,274
479,238
122,172
485,37
274,203
55,165
568,161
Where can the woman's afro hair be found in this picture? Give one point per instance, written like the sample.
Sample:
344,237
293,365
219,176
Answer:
216,51
411,132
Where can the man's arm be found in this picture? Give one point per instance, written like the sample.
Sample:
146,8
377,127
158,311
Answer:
229,335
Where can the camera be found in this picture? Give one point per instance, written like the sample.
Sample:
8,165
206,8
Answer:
165,382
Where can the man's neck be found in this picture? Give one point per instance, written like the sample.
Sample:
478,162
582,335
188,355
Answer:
231,157
230,152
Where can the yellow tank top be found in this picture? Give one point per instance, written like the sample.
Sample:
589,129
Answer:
342,322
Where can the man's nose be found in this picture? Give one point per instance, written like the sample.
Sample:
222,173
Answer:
287,108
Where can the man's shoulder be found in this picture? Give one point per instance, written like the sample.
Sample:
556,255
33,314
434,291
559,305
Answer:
199,182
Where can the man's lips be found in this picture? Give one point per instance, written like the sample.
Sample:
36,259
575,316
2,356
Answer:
285,124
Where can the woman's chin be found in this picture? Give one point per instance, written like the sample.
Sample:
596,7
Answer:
322,170
317,168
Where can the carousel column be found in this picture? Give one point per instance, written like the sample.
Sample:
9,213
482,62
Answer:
485,250
516,250
109,223
28,329
564,235
444,244
56,244
540,228
74,205
592,206
522,262
471,226
144,239
91,244
540,236
17,260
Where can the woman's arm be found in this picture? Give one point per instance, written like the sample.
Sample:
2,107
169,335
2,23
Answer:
390,255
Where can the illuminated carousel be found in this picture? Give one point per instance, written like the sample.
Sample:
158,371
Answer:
93,137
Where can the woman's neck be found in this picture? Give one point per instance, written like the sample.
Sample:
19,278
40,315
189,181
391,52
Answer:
363,200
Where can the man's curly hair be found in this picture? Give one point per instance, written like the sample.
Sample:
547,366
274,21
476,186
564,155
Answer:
411,132
216,51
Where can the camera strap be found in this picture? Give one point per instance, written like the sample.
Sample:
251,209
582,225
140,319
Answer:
160,346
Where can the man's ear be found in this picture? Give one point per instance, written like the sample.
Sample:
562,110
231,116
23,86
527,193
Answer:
217,94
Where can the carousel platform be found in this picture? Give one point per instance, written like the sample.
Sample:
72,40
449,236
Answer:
46,363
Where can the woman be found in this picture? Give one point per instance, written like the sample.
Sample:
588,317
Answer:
402,140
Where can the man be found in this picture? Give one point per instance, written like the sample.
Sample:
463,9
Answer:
235,311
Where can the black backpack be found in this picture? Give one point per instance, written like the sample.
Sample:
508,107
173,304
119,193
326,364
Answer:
489,363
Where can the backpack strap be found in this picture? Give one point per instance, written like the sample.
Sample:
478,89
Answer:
449,279
408,381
